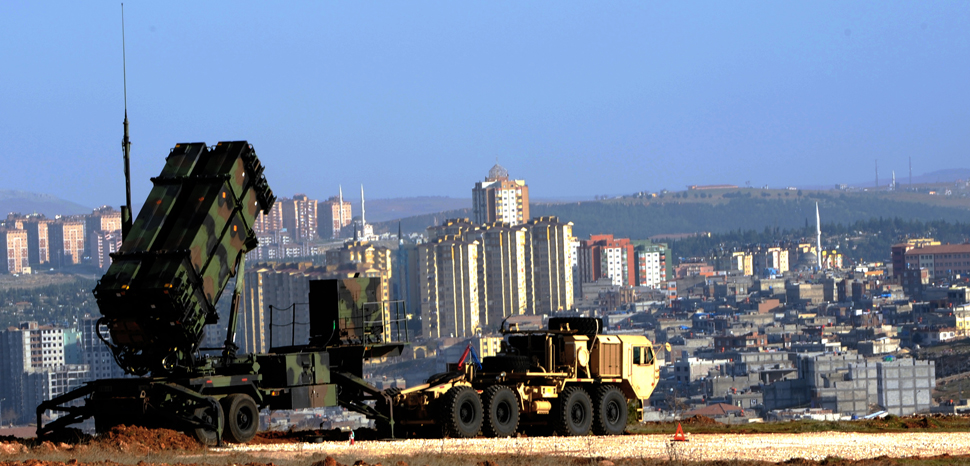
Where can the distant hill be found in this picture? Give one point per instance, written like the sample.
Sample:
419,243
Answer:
726,210
25,202
948,175
379,210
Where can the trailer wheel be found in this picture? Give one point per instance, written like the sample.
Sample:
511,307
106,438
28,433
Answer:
574,414
242,418
501,411
611,411
461,412
210,415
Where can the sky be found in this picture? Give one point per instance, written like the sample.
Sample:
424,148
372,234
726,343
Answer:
422,98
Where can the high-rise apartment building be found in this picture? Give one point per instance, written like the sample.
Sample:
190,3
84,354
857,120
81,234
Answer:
38,242
335,214
271,222
104,218
552,287
499,199
67,241
300,217
651,265
448,270
602,256
505,278
13,250
25,350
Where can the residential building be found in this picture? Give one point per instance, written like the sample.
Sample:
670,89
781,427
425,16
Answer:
505,277
940,261
300,217
38,242
271,222
448,270
335,214
550,241
898,252
499,199
602,256
651,264
13,251
66,241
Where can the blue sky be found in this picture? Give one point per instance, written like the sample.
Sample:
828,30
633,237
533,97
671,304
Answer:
415,98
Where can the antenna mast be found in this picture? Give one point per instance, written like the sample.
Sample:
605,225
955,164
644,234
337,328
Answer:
125,142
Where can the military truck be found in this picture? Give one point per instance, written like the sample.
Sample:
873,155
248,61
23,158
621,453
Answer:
160,293
569,379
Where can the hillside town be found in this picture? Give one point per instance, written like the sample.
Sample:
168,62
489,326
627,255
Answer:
767,331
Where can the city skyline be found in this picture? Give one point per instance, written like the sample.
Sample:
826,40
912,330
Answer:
746,89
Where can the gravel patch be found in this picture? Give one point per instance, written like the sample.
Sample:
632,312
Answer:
700,447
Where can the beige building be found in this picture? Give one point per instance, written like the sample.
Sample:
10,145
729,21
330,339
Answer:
499,199
14,250
742,261
505,279
551,259
448,268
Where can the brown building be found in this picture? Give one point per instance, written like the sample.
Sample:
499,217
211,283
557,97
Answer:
899,251
499,199
940,261
14,246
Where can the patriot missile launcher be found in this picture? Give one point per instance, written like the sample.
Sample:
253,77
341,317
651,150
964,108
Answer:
159,296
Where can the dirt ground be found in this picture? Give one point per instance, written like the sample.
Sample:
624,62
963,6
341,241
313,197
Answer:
146,447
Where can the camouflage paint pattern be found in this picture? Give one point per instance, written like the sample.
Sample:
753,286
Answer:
348,311
183,248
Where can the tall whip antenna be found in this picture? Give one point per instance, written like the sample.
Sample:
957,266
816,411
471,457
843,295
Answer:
125,142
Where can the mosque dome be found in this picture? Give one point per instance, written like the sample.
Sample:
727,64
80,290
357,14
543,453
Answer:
498,172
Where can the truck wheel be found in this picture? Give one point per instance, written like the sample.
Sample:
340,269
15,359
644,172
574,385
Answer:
461,412
501,411
574,414
611,413
208,414
242,418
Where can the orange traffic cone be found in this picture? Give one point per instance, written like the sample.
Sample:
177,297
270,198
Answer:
679,436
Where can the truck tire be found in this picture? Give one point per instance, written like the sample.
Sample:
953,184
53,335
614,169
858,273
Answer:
501,411
506,363
242,418
584,325
574,413
460,412
610,413
209,414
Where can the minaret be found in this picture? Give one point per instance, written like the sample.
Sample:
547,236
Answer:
363,220
341,207
818,238
894,181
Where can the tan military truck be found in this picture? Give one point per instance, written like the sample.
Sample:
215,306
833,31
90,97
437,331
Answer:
569,379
